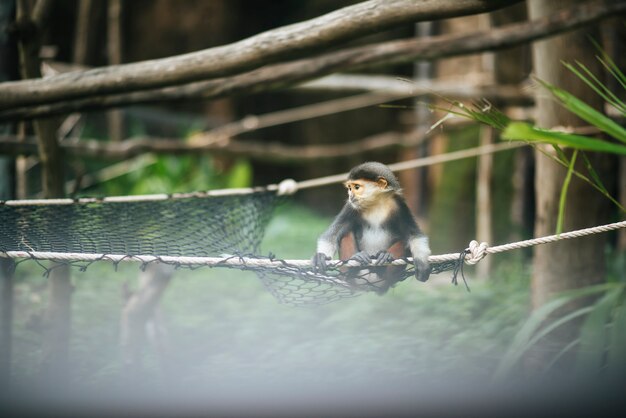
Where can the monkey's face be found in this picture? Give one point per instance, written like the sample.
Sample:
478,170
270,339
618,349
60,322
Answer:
363,193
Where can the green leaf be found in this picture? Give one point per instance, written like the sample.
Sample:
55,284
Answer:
560,354
561,155
483,112
594,175
564,189
240,175
593,335
610,65
583,178
541,332
617,344
586,112
532,329
522,131
592,81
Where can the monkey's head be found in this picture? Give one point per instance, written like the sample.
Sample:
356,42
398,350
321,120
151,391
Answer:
370,181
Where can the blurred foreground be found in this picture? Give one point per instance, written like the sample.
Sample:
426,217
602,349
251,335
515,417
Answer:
221,345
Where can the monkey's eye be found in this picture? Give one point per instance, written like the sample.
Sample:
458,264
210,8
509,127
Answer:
357,187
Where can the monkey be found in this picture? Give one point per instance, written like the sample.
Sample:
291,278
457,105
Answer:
375,226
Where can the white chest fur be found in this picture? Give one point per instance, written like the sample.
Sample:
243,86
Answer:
375,238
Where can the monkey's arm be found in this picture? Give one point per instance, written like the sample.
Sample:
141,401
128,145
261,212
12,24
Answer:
420,250
328,242
418,245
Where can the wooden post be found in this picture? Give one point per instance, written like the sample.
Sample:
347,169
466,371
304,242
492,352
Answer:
114,52
484,203
55,356
484,173
83,40
512,66
7,267
138,311
8,71
567,265
424,70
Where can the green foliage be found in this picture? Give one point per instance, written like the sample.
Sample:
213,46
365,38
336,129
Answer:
522,131
586,112
563,196
170,174
600,343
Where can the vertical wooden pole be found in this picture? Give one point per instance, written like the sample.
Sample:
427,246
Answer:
8,71
415,181
484,203
83,39
139,310
7,267
55,355
114,52
484,175
622,200
512,66
568,264
21,167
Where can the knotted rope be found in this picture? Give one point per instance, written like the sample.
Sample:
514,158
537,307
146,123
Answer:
472,255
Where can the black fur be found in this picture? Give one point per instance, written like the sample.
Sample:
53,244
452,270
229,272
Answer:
374,171
399,225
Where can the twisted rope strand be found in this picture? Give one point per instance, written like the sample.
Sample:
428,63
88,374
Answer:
475,252
285,187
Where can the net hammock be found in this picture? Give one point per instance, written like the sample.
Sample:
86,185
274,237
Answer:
186,231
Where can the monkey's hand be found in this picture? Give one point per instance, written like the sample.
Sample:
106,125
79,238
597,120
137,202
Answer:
422,269
362,257
319,262
383,257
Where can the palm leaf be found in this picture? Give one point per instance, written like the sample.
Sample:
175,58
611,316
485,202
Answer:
532,329
522,131
594,175
617,343
610,65
593,335
592,81
586,112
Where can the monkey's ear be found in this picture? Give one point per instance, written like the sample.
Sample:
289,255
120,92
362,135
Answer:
382,183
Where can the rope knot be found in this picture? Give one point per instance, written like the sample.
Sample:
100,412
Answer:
287,187
476,252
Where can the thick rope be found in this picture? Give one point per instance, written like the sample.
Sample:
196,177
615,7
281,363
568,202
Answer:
285,187
472,255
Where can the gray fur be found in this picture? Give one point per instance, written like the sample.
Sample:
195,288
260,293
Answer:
373,170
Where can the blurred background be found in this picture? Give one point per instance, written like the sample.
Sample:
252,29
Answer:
215,339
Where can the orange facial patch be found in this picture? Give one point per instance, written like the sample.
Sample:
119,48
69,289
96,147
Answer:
358,187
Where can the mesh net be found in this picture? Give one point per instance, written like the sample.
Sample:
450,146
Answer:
199,227
300,287
230,227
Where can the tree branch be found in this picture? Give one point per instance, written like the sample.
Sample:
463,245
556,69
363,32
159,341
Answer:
41,12
272,46
260,150
459,88
378,55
